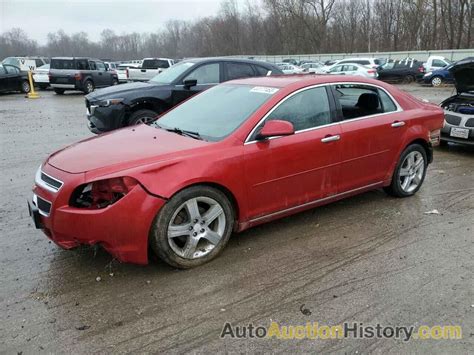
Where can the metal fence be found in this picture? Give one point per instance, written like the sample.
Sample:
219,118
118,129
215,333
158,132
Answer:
453,55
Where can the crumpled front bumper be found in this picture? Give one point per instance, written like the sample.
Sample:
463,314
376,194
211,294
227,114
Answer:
121,228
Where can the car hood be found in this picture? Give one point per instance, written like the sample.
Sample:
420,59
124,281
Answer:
114,92
463,73
123,149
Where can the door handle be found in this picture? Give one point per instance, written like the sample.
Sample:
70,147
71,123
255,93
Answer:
328,139
398,124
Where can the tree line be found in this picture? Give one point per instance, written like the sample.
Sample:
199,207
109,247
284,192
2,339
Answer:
270,27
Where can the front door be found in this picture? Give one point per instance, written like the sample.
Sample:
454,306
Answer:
206,75
289,171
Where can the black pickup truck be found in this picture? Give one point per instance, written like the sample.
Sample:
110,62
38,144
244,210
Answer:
83,74
135,103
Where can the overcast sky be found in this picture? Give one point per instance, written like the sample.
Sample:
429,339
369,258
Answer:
38,17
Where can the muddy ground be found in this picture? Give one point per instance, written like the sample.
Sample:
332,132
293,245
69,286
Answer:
370,258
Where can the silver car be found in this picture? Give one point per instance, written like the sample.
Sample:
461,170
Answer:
459,109
353,69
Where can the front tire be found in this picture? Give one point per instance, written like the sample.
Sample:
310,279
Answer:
436,81
409,173
193,227
25,87
59,91
142,116
88,87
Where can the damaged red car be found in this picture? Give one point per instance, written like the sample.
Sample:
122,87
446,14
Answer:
239,154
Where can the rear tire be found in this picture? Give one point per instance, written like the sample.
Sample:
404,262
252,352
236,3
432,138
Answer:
409,173
142,116
193,227
59,91
408,79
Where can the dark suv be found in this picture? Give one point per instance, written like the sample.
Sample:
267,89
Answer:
83,74
135,103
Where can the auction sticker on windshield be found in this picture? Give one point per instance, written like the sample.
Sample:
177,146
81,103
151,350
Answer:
264,90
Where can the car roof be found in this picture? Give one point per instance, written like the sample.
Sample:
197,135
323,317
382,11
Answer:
301,80
226,59
70,58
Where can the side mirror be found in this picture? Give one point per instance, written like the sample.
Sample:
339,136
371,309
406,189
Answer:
275,128
188,83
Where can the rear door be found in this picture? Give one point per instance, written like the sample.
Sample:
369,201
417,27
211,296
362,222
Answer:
286,172
207,75
234,70
371,127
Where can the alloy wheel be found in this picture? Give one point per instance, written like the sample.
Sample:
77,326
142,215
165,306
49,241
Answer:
25,86
196,227
411,171
144,120
436,81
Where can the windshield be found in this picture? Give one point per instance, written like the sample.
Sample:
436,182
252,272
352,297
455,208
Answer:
171,74
216,112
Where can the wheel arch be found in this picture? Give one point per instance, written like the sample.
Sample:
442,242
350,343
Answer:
225,190
426,145
153,104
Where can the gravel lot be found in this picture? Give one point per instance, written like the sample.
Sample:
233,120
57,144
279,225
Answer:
370,258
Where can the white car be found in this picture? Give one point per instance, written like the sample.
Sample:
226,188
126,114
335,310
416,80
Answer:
435,62
353,69
149,69
41,76
26,63
290,69
316,68
370,62
122,71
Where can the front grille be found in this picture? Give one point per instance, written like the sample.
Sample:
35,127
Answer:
470,122
43,205
51,182
452,120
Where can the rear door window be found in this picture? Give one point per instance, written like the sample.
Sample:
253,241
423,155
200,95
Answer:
261,71
238,70
357,100
92,66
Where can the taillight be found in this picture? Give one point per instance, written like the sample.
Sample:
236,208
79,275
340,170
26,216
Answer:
102,193
78,76
371,71
421,69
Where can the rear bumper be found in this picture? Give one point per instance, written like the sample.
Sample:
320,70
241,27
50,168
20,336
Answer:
121,228
64,86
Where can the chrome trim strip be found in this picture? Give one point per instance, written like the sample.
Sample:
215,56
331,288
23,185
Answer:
40,182
399,109
41,212
314,202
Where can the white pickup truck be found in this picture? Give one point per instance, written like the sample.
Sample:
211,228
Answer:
435,62
149,68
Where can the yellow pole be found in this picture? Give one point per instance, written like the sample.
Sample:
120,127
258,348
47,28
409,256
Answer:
32,94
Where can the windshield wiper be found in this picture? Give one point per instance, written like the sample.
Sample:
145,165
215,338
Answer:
184,132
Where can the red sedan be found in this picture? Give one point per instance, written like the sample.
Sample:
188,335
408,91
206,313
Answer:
239,154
